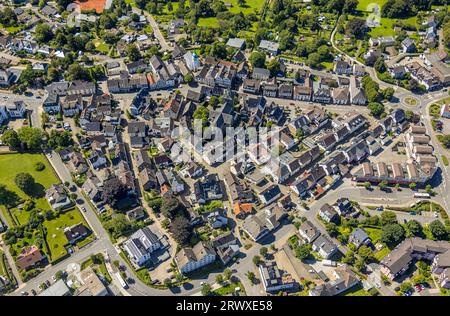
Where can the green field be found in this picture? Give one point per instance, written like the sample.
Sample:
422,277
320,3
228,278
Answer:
209,22
55,232
374,234
249,7
101,46
379,255
363,4
11,165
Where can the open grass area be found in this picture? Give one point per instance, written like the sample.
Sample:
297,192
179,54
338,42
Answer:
229,289
364,5
380,254
374,234
209,22
11,29
249,7
357,290
55,232
101,46
12,164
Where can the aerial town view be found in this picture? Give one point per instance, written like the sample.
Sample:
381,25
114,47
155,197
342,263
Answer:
220,148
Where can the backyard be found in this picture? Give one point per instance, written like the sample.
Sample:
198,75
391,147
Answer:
10,166
55,232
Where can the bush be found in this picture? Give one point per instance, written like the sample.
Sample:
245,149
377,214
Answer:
39,166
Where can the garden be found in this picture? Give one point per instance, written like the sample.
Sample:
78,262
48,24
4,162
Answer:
31,219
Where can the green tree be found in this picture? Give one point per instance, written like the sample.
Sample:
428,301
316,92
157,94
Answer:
379,65
227,273
181,230
77,72
30,136
388,93
258,59
257,260
274,67
11,138
383,185
392,234
303,252
413,185
388,217
263,251
366,254
188,78
349,258
331,229
376,109
206,289
133,53
25,182
251,277
218,50
414,228
438,230
219,278
43,33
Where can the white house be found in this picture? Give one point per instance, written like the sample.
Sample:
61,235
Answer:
141,245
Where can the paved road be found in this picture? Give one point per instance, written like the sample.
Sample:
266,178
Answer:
156,30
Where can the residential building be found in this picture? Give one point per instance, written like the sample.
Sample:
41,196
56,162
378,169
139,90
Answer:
191,259
75,233
359,237
92,285
141,245
274,279
328,214
28,257
57,197
324,246
308,231
268,46
343,280
400,258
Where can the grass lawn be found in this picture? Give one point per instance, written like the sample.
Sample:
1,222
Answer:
55,232
249,7
229,289
363,4
209,22
12,164
445,160
98,268
11,29
379,255
101,46
356,291
374,234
